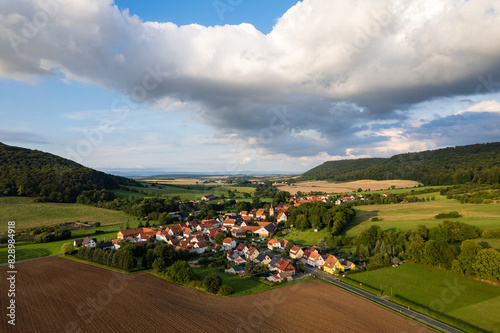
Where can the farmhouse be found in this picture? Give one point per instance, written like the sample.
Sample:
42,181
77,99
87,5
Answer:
209,197
89,242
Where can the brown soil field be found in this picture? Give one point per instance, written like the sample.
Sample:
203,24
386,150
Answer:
324,186
58,295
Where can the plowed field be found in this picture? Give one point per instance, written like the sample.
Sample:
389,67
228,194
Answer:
58,295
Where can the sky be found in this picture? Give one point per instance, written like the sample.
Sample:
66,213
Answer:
236,86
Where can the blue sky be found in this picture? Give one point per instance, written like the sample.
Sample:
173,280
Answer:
233,86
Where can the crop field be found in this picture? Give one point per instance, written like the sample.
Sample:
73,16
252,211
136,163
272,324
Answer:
324,186
408,216
452,298
58,295
29,214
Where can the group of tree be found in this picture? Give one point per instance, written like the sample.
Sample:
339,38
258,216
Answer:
434,246
473,193
473,260
122,258
319,215
476,164
32,173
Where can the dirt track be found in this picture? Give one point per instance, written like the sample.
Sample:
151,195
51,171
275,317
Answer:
58,295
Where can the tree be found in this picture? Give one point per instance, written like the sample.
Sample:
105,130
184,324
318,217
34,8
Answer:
248,268
415,251
466,258
180,272
321,245
159,265
212,283
67,248
219,238
487,265
288,246
301,267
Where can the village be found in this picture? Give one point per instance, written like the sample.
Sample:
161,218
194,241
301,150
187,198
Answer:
246,236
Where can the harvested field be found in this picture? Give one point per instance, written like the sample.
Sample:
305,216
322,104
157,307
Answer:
324,186
58,295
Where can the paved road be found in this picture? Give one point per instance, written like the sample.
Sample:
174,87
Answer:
379,300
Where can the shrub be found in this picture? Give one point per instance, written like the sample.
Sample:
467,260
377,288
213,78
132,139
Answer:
225,290
453,214
67,248
375,219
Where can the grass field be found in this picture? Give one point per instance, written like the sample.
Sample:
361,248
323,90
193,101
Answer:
28,214
408,216
37,250
307,237
196,192
449,297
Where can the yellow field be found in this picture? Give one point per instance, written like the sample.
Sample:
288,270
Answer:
324,186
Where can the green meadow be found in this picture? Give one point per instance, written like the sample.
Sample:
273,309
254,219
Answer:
29,214
185,192
409,216
37,250
462,302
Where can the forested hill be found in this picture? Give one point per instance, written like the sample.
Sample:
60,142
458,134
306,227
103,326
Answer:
479,163
26,172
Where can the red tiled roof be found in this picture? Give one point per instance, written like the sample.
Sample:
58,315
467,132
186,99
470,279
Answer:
285,266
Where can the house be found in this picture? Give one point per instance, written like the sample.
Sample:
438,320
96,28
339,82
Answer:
78,242
282,217
285,267
174,230
273,244
262,259
199,247
214,232
296,252
209,197
260,214
315,259
331,265
186,232
228,243
135,233
235,270
266,229
252,253
241,248
162,235
89,242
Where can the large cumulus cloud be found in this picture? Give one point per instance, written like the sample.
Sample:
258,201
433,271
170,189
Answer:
332,67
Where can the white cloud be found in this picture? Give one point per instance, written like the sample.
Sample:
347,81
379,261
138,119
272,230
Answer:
345,70
484,106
